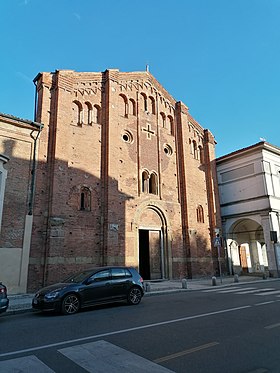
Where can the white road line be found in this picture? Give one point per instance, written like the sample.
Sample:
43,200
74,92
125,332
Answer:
272,326
254,291
264,303
218,289
234,290
102,335
270,292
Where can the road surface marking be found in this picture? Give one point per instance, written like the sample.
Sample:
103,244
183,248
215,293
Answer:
264,303
121,331
24,365
270,292
218,289
102,356
186,352
234,290
272,326
254,291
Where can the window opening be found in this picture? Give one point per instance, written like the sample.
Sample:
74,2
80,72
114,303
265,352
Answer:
132,107
153,184
145,104
85,199
97,114
145,181
89,113
78,113
199,214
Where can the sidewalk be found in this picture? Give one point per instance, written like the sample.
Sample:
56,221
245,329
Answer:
22,302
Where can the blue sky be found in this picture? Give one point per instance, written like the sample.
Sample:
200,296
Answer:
220,57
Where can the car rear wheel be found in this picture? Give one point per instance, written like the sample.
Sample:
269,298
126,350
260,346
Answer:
134,296
70,304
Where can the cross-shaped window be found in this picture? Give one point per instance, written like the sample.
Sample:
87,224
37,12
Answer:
148,131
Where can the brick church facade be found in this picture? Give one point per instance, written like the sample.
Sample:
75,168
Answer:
125,176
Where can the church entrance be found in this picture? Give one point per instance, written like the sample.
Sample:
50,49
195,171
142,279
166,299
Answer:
150,254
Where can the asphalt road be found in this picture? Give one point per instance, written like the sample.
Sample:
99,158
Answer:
234,329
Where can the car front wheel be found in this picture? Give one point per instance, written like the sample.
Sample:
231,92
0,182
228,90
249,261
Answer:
134,296
70,304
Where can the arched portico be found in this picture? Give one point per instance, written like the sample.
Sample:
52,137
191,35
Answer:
246,247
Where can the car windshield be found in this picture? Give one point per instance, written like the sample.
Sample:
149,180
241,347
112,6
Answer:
78,277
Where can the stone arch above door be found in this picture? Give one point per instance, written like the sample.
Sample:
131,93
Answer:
150,218
154,214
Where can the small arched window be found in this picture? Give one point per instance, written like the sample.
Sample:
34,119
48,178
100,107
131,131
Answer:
96,114
144,100
199,214
123,105
195,150
170,125
85,199
191,146
152,105
145,182
162,120
153,184
77,113
88,113
200,154
132,107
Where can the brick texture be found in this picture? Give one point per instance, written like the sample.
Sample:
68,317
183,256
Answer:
145,164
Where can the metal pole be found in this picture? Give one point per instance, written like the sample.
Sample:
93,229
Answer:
219,260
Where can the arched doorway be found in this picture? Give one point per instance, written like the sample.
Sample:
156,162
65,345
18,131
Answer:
152,244
246,247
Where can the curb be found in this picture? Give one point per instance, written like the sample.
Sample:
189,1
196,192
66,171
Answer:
24,308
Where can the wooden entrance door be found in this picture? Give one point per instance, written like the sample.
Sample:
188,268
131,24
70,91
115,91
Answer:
243,258
150,258
155,255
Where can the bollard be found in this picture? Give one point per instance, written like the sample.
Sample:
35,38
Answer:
214,281
184,283
147,287
264,276
235,278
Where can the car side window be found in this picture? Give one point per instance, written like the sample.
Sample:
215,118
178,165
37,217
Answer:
118,273
127,273
101,276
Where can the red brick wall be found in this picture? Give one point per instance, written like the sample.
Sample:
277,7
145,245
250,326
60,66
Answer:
109,158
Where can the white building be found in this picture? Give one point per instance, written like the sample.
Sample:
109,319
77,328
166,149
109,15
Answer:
249,187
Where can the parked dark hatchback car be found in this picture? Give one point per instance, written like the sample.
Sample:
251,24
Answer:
91,287
4,301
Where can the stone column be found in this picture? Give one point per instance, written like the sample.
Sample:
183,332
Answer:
270,249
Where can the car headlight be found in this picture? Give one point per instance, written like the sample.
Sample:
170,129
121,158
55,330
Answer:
52,295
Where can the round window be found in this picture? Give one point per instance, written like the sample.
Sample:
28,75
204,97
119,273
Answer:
127,137
167,149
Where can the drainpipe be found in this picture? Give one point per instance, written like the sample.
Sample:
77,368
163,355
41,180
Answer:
33,170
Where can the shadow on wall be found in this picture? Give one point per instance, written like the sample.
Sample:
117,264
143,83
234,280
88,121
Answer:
70,227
